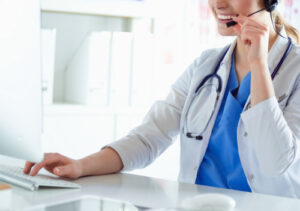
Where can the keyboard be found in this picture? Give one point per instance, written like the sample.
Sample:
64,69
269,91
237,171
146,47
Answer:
14,175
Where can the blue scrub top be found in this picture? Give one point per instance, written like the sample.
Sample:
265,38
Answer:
221,165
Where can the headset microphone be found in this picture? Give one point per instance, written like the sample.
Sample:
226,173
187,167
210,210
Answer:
233,23
270,6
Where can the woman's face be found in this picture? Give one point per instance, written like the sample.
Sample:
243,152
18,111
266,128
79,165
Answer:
223,10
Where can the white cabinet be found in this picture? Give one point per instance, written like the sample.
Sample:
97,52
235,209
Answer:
74,20
72,29
77,130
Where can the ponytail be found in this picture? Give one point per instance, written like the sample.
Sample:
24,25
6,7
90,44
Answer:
290,30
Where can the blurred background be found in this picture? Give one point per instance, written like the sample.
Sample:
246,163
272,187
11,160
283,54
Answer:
105,62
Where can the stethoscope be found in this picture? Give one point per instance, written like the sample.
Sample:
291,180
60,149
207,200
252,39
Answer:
199,136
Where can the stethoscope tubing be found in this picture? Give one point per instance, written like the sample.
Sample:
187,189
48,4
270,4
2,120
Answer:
287,51
214,74
199,136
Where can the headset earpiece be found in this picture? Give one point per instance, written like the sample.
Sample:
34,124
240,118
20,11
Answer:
271,5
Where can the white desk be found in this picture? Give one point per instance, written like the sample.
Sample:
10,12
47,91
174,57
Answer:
146,192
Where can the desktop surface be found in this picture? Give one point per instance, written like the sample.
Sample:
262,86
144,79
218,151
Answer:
141,191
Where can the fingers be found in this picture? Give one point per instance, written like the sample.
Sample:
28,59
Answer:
28,166
37,168
50,159
245,22
249,29
238,27
240,19
56,164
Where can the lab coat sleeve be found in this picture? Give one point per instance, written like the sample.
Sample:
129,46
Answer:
159,128
275,134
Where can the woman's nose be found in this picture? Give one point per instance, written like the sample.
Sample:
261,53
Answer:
220,4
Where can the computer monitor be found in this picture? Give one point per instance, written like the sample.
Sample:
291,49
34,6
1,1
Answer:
20,80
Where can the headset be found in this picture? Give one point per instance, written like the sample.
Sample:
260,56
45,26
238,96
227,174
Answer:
270,6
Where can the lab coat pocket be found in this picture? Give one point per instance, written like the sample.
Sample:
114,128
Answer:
201,109
192,152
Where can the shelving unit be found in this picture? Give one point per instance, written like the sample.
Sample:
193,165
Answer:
79,130
74,19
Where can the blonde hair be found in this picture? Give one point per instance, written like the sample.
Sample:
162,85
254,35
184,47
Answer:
290,30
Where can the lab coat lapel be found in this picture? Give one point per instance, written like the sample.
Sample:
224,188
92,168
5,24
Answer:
277,51
223,72
225,66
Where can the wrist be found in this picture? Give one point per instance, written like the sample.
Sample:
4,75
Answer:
260,66
80,167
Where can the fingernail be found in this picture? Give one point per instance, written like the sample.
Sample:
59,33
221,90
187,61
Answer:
235,16
57,170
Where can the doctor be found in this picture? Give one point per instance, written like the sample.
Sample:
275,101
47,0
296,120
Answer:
236,109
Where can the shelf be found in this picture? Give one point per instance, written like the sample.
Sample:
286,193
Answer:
131,9
73,109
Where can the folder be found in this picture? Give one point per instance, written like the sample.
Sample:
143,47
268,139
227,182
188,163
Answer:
88,74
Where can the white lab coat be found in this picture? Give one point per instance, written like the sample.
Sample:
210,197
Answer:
268,133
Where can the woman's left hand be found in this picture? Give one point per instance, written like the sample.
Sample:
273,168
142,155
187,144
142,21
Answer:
255,36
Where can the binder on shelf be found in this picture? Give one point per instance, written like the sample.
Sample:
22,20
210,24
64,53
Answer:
48,42
142,70
87,75
121,66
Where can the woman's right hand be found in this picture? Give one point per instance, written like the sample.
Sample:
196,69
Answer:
56,164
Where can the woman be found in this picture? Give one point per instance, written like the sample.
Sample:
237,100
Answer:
239,129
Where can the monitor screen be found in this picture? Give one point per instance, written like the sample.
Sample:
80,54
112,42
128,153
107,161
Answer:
20,80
